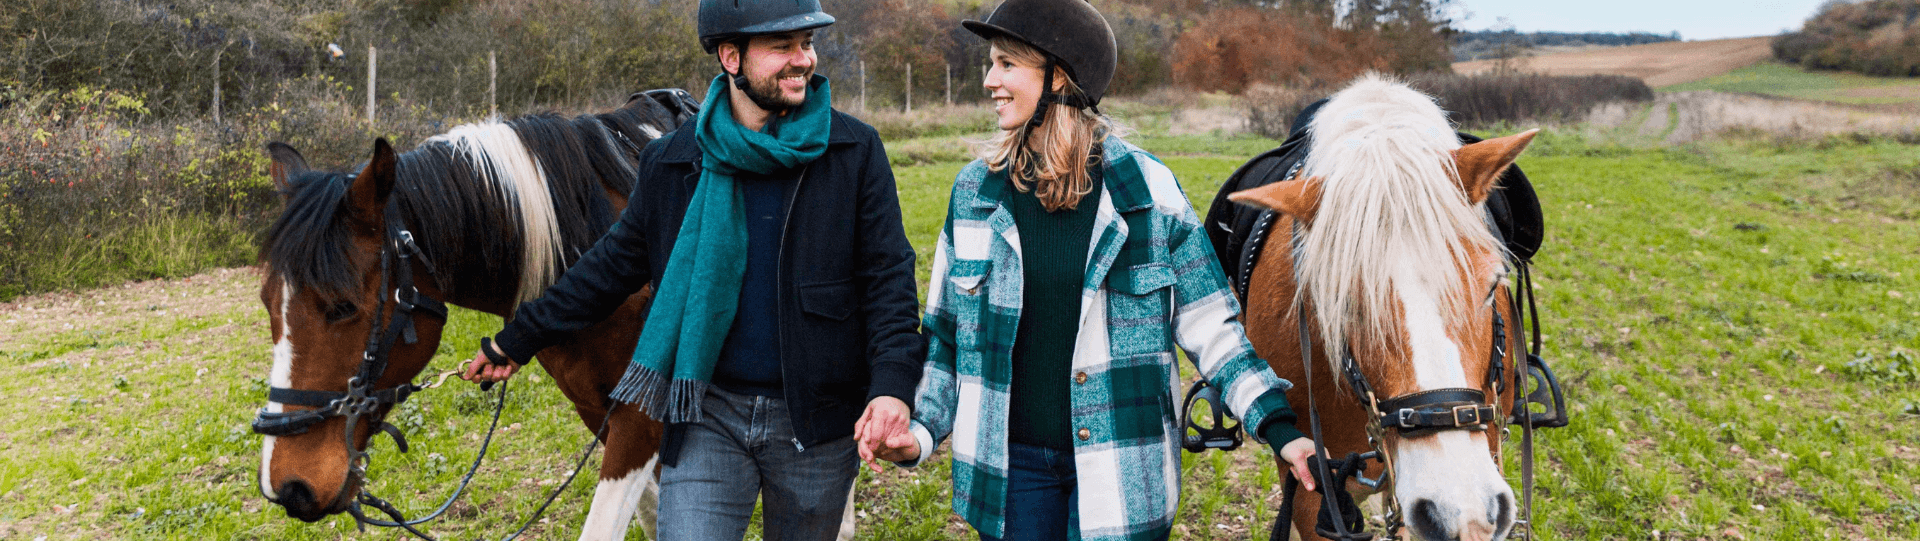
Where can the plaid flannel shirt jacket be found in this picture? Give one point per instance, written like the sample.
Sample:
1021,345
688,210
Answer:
1151,283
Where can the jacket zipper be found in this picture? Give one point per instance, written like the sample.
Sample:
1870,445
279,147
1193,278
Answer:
780,301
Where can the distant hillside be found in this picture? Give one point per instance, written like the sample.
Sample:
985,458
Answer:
1659,64
1484,44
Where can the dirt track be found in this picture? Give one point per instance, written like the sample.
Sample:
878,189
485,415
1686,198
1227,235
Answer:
1659,64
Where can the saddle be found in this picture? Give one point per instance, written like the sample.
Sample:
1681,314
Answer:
1238,232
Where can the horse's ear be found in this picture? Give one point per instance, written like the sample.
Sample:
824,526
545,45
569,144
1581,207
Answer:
287,163
1297,198
367,198
1479,164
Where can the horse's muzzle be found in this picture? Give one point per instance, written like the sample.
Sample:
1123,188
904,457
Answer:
298,499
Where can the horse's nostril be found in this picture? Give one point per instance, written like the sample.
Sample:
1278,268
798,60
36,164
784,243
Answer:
1425,519
297,498
1502,513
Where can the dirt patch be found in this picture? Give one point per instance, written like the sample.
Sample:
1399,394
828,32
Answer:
211,293
1695,115
1202,121
1659,64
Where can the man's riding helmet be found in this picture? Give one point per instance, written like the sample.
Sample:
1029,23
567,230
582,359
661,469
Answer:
1070,33
722,21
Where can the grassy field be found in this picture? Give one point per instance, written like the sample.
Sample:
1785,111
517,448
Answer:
1734,321
1777,79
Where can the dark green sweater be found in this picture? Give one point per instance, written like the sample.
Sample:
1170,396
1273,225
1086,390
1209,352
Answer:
1053,254
1053,250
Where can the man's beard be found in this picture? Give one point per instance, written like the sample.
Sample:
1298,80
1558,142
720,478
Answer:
767,95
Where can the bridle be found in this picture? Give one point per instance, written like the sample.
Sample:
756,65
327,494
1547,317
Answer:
398,251
1422,413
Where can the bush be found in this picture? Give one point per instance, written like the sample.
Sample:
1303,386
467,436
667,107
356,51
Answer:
94,191
1480,100
1875,37
1470,100
1233,49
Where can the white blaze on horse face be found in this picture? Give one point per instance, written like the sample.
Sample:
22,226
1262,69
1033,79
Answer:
1451,469
282,377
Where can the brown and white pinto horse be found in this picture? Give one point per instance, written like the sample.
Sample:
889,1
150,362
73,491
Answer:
1393,262
497,210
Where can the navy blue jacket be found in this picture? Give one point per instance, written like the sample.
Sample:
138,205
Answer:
847,308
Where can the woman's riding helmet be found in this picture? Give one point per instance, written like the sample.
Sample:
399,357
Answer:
1070,32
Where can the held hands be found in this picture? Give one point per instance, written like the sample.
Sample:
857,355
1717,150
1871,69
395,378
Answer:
1296,453
482,370
881,433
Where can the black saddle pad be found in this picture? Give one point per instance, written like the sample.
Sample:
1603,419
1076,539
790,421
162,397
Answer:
1238,232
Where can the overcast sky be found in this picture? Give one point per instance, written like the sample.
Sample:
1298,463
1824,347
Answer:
1694,19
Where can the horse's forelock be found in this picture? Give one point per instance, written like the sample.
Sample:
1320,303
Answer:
1389,203
308,246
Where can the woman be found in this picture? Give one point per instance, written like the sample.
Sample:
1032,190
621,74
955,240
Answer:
1069,267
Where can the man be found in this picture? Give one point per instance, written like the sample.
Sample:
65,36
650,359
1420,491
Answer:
785,317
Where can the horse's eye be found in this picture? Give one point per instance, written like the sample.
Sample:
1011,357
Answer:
340,311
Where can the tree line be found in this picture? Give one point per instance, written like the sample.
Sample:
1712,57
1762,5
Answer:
184,56
1485,44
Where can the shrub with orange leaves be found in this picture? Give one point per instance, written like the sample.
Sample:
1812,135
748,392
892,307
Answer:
1231,49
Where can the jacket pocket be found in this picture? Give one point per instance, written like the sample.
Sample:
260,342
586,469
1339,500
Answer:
1143,296
1140,279
966,276
831,299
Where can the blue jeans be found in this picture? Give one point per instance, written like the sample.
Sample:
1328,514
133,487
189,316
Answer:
742,450
1043,495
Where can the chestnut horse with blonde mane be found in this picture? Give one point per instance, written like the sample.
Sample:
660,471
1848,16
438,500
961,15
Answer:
1392,262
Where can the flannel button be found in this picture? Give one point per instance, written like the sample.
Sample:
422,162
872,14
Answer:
1085,434
1080,378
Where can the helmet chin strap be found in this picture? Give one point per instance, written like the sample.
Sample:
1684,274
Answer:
740,74
1048,97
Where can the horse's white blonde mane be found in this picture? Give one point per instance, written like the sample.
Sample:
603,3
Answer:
497,155
1389,199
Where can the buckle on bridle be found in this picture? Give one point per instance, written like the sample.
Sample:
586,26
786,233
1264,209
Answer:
1466,415
1406,418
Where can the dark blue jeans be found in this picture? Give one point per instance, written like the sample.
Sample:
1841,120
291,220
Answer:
743,450
1043,495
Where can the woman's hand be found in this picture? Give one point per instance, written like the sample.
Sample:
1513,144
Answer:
1296,453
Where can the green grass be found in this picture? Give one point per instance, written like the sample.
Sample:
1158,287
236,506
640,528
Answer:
1702,304
1777,79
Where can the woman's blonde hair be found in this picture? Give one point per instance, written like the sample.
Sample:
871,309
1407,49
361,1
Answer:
1053,160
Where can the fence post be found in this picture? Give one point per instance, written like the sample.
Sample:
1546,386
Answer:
909,88
863,85
372,58
216,84
949,84
493,86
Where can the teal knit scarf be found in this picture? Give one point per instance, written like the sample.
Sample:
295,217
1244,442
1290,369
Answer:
695,301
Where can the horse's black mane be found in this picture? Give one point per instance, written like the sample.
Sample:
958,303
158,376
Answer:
459,221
